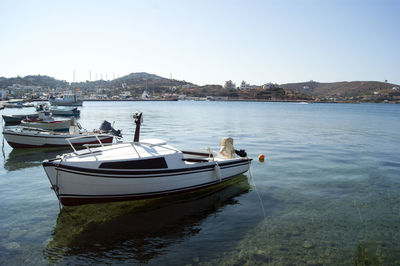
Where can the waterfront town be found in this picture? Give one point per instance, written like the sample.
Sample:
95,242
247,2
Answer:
144,86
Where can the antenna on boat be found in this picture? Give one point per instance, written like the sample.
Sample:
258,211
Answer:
138,121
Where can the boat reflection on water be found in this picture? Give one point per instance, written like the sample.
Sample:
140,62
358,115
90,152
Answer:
25,158
140,229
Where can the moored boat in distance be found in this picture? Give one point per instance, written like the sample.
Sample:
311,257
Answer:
139,169
16,119
66,100
25,137
42,107
65,111
13,105
45,121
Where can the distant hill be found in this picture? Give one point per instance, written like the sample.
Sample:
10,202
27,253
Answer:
146,80
140,75
133,80
33,80
341,89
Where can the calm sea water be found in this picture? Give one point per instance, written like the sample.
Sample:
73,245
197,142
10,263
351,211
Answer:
327,193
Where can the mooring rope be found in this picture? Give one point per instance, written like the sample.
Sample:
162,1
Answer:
255,189
262,207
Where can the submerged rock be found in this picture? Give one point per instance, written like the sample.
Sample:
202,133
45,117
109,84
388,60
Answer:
307,245
12,246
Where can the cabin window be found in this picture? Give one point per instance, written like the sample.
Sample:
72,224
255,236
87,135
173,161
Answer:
156,163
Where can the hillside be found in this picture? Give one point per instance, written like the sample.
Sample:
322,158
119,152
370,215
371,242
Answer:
140,75
36,80
133,80
145,80
340,89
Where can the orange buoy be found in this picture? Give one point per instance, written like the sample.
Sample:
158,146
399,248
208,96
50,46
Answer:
261,157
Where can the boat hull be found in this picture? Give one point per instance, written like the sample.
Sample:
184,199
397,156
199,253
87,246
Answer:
65,113
76,186
17,118
40,140
54,126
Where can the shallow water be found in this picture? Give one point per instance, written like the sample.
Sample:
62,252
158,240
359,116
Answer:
327,193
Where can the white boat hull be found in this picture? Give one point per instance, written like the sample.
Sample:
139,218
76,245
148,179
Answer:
58,112
50,139
75,186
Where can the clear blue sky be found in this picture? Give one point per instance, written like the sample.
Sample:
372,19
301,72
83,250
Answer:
205,42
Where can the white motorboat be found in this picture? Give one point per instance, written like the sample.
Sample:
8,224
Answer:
66,100
69,111
139,169
45,121
25,137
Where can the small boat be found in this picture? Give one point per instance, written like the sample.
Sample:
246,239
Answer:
42,107
26,137
16,119
139,169
45,121
66,100
13,105
69,111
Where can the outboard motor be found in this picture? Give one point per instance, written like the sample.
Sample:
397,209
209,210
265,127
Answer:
241,153
106,127
227,149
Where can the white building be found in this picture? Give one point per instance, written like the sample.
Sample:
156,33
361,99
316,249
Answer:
244,85
125,94
247,86
270,85
229,85
188,86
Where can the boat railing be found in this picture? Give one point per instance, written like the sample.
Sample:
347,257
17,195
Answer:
133,144
88,146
